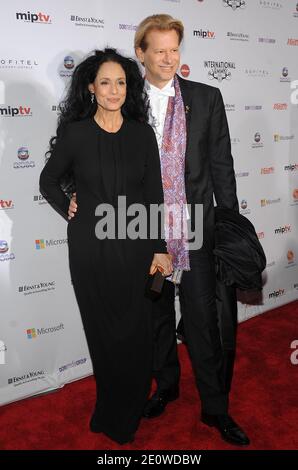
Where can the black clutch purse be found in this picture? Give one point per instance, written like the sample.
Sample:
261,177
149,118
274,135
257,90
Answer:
155,284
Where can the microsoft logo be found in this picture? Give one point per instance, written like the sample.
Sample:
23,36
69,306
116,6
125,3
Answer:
39,244
31,333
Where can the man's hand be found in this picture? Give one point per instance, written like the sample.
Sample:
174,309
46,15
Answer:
72,206
163,262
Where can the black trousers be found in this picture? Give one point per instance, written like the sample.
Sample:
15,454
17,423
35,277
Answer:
198,307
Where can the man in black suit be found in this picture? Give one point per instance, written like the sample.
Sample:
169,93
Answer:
208,172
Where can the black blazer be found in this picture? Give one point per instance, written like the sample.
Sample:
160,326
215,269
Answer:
208,162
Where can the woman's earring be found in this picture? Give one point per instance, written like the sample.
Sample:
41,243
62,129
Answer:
92,97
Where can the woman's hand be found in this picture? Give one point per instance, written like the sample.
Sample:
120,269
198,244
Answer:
163,262
72,206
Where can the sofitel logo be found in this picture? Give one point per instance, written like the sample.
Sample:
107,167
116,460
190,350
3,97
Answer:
219,70
234,4
17,64
271,4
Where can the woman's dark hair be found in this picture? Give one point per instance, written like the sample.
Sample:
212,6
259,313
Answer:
77,104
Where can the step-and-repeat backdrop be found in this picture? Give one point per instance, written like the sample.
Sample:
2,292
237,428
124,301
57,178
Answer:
247,48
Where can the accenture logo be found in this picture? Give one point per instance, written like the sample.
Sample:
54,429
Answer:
72,364
128,27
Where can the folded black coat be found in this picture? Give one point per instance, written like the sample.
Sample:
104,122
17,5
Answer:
239,256
240,260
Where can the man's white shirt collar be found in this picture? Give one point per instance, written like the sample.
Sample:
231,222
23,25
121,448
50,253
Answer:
167,90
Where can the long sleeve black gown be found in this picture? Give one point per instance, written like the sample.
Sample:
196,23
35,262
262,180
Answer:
109,275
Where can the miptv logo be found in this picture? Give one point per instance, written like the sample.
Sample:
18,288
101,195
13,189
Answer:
29,17
19,111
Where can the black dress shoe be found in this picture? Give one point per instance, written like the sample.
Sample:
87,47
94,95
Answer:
230,431
156,405
94,426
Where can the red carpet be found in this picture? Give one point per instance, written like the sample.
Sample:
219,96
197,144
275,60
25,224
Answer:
264,401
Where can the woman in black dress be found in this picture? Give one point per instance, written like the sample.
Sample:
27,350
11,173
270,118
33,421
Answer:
103,138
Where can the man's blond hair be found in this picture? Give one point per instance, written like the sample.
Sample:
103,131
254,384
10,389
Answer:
161,22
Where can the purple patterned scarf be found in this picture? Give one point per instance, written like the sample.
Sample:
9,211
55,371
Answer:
172,156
